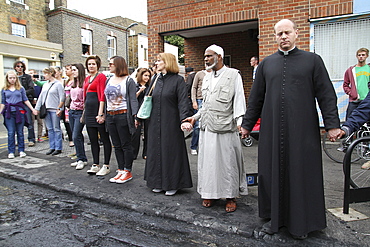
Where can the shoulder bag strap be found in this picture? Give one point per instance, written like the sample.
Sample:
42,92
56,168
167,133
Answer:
48,92
152,88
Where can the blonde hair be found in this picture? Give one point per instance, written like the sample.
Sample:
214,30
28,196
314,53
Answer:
170,62
49,70
7,85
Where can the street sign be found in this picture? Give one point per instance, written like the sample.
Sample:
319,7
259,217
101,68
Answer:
252,179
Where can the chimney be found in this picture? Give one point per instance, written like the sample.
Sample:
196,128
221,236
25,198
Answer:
60,3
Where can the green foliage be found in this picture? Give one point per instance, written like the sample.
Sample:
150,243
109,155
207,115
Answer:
179,42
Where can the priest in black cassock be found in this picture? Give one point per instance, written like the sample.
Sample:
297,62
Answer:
290,175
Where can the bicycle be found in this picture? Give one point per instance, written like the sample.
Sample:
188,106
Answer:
336,151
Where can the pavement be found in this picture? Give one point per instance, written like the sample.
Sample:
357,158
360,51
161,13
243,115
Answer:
55,172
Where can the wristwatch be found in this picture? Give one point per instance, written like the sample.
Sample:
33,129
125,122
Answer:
60,109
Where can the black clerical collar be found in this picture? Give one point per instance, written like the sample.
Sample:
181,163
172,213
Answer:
286,53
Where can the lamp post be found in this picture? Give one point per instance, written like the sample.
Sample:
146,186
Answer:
127,55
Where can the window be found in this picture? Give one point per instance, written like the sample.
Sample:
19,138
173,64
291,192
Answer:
337,42
112,46
18,1
19,30
86,40
145,54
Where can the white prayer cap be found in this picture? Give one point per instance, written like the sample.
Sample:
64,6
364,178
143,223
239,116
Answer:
217,49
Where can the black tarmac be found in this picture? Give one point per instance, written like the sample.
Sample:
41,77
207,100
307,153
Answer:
55,172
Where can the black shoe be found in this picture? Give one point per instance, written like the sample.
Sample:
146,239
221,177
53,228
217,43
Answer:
56,152
302,237
266,228
50,151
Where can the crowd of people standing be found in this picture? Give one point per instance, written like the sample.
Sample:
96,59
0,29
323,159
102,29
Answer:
212,103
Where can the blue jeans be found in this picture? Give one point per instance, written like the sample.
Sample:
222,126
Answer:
77,136
195,135
52,122
31,128
13,128
121,139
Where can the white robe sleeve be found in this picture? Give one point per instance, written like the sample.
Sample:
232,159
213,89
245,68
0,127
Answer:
239,100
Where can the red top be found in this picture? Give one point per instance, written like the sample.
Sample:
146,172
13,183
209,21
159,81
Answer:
98,86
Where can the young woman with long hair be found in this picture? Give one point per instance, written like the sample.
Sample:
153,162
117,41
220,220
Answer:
75,114
143,79
13,101
122,106
94,116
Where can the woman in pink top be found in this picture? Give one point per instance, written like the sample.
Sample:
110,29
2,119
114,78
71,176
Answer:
75,114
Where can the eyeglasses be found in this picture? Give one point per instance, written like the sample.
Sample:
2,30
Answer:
110,64
19,66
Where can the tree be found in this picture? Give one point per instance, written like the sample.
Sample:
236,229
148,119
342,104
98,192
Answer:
179,42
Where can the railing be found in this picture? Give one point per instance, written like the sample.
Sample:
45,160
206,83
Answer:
355,194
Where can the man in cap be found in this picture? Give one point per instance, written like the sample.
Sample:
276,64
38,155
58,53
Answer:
221,172
290,175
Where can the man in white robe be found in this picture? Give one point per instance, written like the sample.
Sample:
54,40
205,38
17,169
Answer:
221,172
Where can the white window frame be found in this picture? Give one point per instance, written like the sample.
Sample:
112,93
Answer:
18,1
112,46
19,30
337,41
86,40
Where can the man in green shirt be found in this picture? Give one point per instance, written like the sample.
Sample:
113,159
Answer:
356,79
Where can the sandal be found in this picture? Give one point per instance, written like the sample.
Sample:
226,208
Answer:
208,203
230,205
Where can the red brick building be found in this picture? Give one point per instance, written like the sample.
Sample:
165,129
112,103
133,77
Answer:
245,28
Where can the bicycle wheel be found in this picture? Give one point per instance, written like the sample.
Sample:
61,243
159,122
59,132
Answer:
360,176
247,142
331,150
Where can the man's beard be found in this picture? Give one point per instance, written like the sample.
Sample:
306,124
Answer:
211,66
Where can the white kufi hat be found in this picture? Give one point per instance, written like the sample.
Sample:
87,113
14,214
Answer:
217,49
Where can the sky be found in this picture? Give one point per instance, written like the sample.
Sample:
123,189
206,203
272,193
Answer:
133,9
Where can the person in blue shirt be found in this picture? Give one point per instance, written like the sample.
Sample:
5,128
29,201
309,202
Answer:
13,101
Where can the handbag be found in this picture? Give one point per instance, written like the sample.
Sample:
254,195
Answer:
146,107
67,102
43,110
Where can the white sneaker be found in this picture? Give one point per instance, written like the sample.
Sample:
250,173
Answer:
94,169
80,165
157,190
11,156
22,154
118,176
103,171
170,192
74,164
193,152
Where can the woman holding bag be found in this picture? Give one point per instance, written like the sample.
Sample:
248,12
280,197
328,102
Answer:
53,96
167,165
122,106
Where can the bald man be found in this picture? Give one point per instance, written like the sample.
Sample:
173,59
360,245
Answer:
284,93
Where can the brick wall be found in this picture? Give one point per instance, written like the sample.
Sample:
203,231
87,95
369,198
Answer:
65,28
34,18
241,49
165,16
